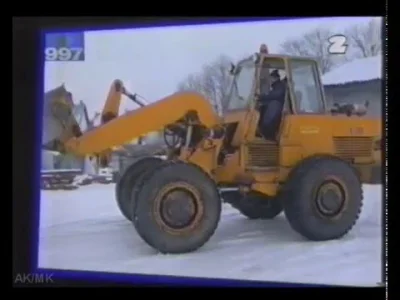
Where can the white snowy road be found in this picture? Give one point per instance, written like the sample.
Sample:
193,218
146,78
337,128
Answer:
83,230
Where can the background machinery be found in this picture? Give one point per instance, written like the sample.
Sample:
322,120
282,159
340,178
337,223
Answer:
313,171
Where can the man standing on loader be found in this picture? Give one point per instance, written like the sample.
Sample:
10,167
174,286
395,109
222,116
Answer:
272,106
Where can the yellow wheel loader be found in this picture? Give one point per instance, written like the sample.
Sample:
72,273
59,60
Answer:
313,170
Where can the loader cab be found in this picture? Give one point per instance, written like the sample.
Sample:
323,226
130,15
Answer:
251,77
304,94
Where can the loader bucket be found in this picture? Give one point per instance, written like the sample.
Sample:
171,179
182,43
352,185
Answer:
59,119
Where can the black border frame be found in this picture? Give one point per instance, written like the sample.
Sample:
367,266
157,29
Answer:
25,53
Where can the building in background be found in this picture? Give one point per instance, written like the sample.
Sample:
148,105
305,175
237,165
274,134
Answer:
356,82
48,159
52,128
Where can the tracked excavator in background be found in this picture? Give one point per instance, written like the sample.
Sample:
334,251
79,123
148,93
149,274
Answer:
312,171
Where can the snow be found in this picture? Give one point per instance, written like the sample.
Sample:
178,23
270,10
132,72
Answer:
359,70
84,230
79,179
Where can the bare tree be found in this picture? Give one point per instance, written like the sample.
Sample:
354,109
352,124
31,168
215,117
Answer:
366,40
312,44
213,82
193,82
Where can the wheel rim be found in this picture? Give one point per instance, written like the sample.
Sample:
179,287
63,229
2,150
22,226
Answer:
331,198
178,208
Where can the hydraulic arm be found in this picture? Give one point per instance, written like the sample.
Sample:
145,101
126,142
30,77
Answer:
116,131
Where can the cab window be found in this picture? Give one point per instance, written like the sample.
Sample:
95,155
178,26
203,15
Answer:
240,94
306,88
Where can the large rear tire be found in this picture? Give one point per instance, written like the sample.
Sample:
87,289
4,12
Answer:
254,205
178,210
127,181
322,198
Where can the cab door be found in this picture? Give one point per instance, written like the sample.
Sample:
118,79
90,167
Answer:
262,86
305,87
261,154
308,124
289,104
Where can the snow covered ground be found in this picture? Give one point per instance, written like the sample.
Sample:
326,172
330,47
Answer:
363,69
83,230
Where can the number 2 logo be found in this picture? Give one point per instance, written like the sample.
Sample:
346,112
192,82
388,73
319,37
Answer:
337,44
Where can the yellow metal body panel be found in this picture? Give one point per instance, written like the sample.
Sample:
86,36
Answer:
301,136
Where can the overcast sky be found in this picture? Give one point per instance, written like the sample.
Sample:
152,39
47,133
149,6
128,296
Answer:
152,61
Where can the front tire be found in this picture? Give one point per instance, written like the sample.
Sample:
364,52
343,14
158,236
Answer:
322,198
178,210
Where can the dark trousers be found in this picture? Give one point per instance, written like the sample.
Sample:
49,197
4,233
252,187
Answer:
271,118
